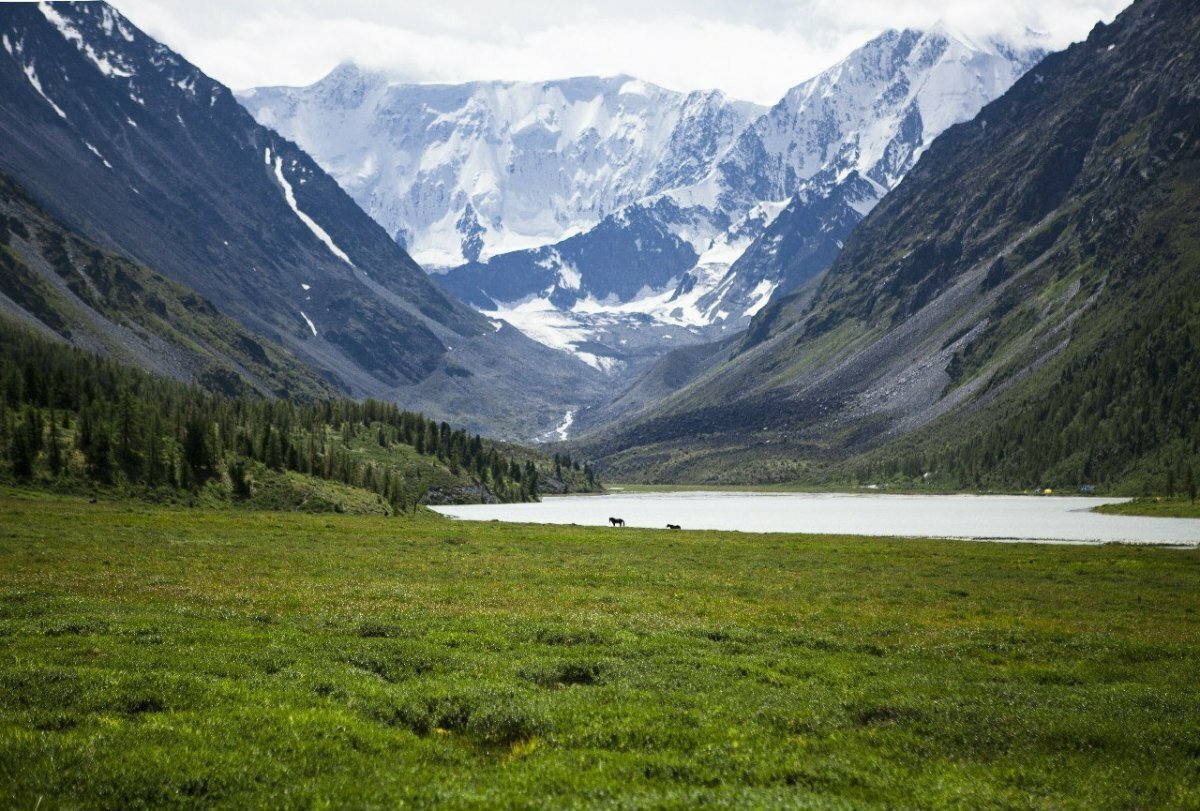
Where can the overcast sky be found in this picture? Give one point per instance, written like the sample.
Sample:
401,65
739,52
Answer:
751,49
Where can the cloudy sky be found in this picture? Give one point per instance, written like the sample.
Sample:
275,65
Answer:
752,49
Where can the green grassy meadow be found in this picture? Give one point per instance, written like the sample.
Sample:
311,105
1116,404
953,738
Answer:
157,656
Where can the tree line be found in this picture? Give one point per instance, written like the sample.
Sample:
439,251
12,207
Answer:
65,412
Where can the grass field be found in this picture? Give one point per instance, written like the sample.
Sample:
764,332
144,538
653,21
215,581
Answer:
156,656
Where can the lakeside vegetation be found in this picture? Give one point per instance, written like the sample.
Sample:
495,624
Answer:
160,656
1177,507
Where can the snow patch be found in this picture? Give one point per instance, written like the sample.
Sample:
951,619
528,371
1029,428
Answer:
317,230
308,321
725,250
72,35
541,321
31,75
634,87
96,152
601,363
760,296
564,427
569,278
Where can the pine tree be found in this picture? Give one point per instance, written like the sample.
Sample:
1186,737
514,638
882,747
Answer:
241,484
54,456
197,456
22,456
31,422
128,457
99,456
530,480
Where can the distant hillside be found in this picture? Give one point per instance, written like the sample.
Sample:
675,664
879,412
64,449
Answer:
1022,310
130,146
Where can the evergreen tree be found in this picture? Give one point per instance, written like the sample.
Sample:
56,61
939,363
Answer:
100,457
197,455
239,480
140,430
22,455
128,457
54,457
31,421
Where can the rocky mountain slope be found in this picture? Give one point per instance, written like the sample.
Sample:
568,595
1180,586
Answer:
1022,309
137,150
95,300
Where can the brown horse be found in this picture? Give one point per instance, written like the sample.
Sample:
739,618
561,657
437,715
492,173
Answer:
617,522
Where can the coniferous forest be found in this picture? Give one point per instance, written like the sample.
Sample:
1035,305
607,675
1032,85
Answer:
72,419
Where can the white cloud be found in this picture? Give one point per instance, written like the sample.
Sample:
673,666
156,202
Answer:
752,49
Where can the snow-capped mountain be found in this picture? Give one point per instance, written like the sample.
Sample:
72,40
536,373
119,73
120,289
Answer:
458,173
670,232
769,215
873,113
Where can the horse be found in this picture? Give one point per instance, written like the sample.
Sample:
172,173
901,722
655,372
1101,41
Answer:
674,526
617,522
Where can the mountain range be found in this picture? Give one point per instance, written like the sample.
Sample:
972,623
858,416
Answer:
607,217
459,173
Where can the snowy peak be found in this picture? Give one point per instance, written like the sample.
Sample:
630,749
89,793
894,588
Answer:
464,172
614,218
874,113
120,52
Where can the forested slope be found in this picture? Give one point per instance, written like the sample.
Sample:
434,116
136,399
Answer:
72,420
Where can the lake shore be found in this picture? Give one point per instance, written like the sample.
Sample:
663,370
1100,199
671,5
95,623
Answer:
1045,519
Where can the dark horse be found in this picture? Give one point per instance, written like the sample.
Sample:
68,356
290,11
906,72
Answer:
617,522
674,526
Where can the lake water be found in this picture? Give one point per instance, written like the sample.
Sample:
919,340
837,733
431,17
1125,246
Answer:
1042,518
